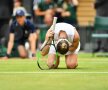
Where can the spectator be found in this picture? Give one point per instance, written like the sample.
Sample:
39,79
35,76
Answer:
43,8
35,3
18,5
28,4
67,9
48,22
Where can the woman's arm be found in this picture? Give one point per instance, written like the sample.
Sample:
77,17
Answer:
48,41
75,43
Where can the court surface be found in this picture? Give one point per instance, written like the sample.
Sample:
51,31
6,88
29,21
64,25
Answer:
23,74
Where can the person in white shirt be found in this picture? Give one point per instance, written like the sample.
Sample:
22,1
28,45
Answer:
68,33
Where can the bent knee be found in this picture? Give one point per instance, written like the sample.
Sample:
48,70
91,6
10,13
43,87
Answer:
72,66
23,56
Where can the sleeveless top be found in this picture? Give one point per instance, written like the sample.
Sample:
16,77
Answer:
68,28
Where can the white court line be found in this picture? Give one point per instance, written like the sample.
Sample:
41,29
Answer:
92,62
53,72
60,61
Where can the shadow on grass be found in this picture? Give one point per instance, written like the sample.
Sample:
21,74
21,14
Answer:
78,68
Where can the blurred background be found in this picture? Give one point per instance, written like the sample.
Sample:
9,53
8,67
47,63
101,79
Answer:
88,16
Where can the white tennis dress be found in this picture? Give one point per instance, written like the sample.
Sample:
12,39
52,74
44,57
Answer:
70,30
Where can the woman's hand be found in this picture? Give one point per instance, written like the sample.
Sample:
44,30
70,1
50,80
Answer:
49,34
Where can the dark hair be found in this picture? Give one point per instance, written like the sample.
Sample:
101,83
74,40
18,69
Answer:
62,47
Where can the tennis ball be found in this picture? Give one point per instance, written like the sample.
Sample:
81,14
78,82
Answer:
27,46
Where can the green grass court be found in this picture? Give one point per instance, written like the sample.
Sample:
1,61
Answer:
91,74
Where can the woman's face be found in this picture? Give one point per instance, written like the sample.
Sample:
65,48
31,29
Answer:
63,35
